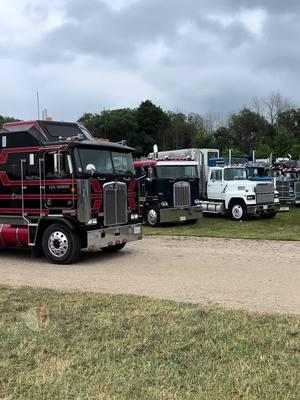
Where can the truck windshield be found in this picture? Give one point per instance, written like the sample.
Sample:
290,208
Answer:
254,172
291,175
106,161
177,171
233,174
275,173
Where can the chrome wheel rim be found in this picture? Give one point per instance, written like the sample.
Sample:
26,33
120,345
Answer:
152,217
237,211
58,244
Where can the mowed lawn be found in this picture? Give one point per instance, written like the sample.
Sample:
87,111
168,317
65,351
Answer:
120,347
285,226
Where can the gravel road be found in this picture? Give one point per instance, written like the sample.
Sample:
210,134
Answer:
255,275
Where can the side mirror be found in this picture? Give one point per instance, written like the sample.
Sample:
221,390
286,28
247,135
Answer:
150,173
91,169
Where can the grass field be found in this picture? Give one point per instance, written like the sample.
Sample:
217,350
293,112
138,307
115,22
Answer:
285,226
119,347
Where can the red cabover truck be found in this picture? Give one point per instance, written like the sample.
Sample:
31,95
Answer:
63,191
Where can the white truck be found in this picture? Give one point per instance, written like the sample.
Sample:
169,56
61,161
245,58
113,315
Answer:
226,189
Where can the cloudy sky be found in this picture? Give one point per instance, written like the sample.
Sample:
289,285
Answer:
187,55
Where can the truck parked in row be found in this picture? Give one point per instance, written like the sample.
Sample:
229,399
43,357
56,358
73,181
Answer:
226,189
62,191
169,191
285,178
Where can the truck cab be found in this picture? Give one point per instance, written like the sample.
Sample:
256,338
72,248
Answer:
169,191
230,191
63,191
284,185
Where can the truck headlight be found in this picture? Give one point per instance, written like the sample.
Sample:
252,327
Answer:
197,201
251,197
164,204
92,221
134,216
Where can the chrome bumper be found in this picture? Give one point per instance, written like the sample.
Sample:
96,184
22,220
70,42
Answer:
99,238
263,209
168,215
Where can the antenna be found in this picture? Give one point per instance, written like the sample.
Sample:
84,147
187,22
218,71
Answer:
44,114
38,104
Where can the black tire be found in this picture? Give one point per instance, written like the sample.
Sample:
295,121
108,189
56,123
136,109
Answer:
238,211
61,245
152,216
113,249
269,215
191,222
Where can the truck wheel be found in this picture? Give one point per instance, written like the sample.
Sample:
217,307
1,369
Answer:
60,244
152,216
113,249
238,211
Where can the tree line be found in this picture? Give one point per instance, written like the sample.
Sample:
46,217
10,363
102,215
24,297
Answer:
270,126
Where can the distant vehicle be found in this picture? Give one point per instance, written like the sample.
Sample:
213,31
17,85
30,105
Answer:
169,191
226,189
284,185
62,191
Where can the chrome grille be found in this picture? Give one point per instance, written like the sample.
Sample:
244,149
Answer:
265,193
297,190
283,188
182,194
115,203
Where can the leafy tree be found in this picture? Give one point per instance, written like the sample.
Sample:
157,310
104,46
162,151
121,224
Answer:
4,119
248,129
223,138
290,120
204,140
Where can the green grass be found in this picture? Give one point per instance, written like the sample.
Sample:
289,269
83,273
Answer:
121,347
285,226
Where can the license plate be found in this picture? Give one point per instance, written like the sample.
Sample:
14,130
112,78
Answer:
182,219
284,208
137,230
265,207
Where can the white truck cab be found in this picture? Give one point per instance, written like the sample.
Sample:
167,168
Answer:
229,191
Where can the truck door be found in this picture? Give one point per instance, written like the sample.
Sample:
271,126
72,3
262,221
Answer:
59,181
215,185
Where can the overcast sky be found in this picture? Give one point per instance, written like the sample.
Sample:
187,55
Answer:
186,55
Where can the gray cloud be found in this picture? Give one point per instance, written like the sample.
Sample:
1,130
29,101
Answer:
195,56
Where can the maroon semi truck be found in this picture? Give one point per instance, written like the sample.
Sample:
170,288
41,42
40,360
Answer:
63,191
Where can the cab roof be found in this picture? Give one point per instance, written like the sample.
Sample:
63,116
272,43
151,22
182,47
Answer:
56,133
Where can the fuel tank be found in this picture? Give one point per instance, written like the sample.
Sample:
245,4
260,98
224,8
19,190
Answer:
13,235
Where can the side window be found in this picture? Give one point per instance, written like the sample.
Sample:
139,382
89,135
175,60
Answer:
219,175
58,164
51,164
65,164
213,175
140,172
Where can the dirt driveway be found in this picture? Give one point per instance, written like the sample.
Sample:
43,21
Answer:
255,275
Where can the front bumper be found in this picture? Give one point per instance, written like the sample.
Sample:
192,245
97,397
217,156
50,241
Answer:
99,238
181,214
260,209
